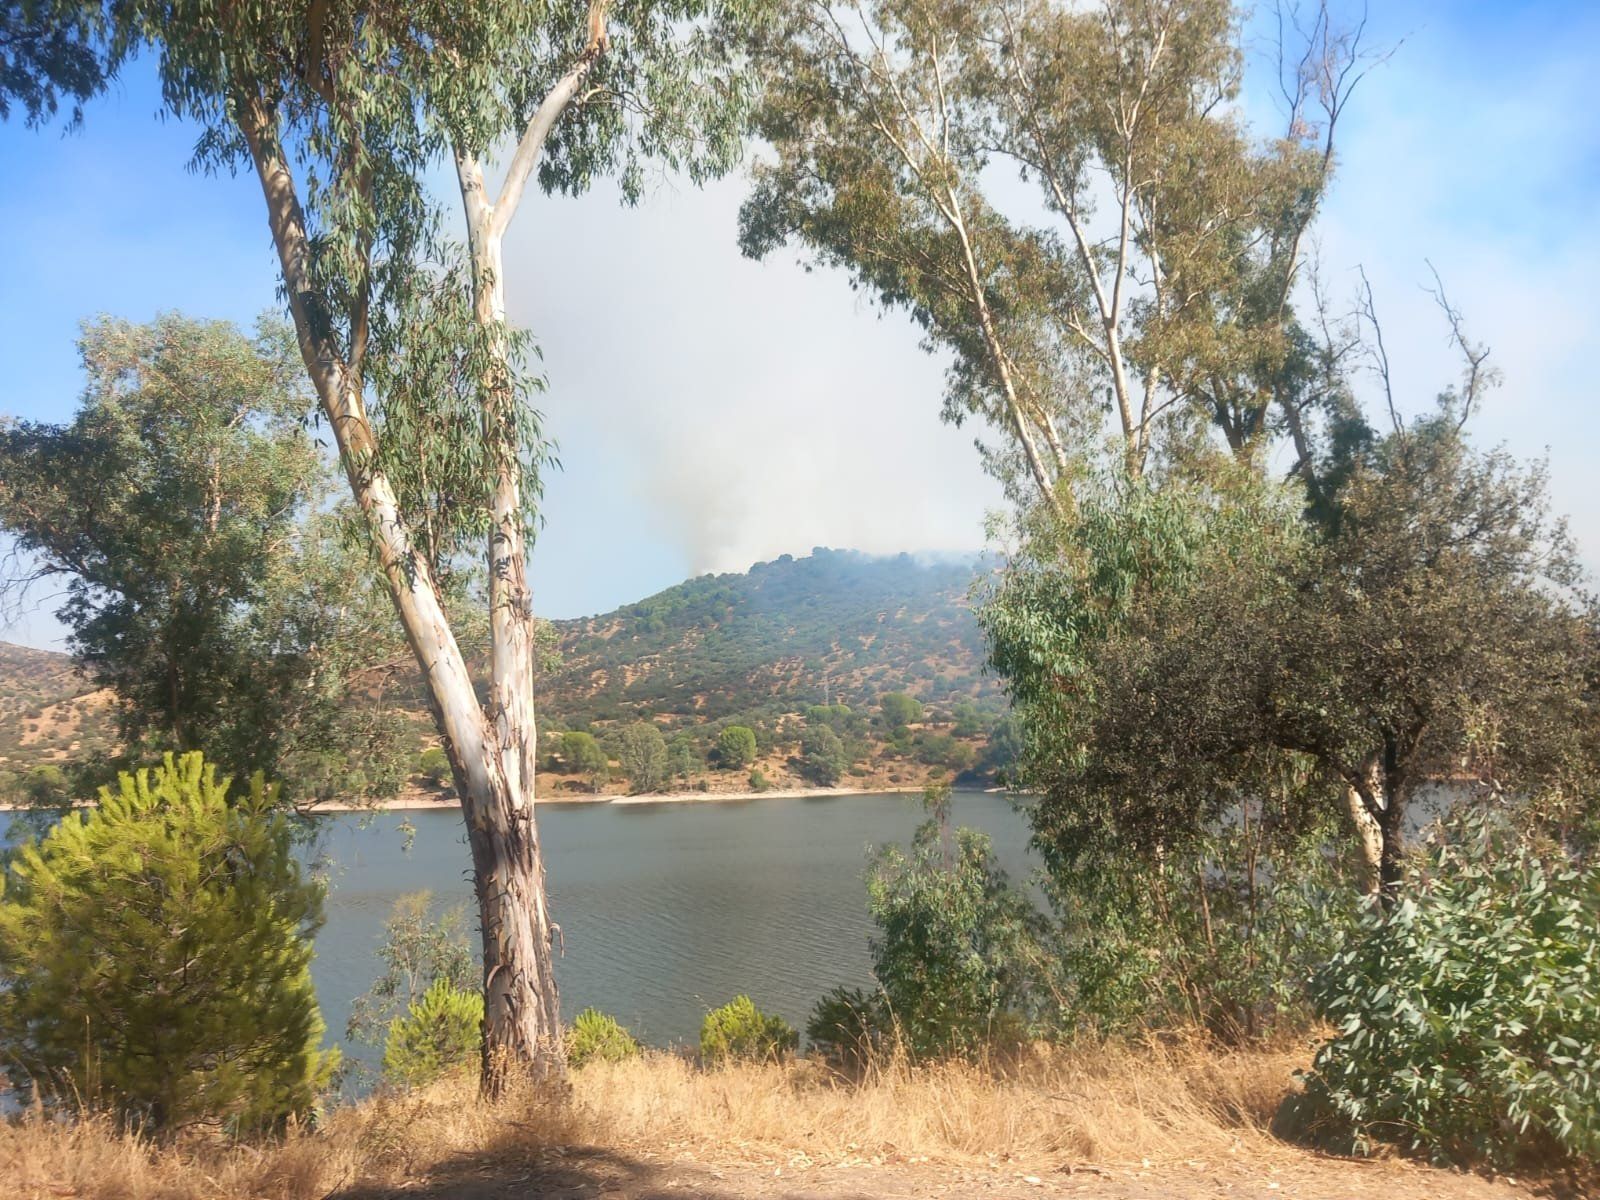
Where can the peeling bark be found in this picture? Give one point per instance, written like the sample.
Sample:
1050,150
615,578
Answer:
490,754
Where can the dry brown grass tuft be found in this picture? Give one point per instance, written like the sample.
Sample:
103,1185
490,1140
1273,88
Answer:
1125,1103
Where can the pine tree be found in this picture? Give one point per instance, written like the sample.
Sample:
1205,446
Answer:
155,956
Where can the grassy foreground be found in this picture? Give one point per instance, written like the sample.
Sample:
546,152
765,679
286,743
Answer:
1173,1121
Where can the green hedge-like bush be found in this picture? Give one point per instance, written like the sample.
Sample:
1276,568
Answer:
440,1032
741,1031
597,1035
1468,1017
434,763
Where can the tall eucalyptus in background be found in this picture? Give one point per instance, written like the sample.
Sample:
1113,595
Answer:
179,510
1150,277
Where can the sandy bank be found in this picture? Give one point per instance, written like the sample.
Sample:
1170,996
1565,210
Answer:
415,802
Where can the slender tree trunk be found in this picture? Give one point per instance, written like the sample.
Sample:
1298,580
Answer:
1369,833
518,873
1391,865
520,1020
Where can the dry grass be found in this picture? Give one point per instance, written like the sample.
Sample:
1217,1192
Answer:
1119,1103
1111,1105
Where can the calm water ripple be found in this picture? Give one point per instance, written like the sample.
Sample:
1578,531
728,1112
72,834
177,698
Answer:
667,909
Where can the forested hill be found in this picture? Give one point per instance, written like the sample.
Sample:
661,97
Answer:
836,626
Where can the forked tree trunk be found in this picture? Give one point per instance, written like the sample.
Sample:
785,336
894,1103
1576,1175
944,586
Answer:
522,1011
493,776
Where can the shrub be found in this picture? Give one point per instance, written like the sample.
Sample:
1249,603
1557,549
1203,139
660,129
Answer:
435,766
643,752
416,951
849,1028
822,756
899,709
1222,932
156,956
597,1035
736,747
739,1031
582,755
440,1032
46,787
1467,1017
956,948
758,780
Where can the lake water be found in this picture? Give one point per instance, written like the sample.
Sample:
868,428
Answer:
667,909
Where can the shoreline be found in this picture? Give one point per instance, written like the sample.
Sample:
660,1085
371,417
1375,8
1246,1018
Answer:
421,803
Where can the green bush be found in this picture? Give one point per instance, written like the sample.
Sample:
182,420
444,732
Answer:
1467,1017
849,1028
440,1032
758,780
739,1031
434,764
736,747
597,1035
899,709
822,756
957,947
47,787
416,951
1222,932
155,956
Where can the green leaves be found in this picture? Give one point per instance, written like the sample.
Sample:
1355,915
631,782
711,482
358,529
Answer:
956,948
1468,1015
598,1037
155,955
741,1032
441,1031
644,756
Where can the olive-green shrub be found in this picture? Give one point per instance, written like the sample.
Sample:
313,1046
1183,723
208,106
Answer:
440,1032
850,1028
155,956
1467,1018
739,1031
598,1036
434,764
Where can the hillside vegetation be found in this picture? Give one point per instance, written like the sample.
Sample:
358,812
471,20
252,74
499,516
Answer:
791,646
837,626
48,709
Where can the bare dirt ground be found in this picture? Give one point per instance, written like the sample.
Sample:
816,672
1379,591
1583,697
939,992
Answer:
577,1174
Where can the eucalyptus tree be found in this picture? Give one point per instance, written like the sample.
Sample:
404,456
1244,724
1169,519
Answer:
341,108
590,91
49,54
1156,278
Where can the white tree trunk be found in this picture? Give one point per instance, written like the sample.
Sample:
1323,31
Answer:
521,1026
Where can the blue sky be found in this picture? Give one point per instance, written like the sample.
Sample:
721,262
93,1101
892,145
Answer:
712,411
